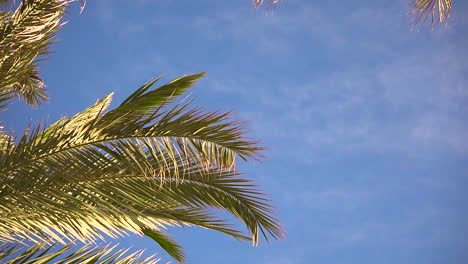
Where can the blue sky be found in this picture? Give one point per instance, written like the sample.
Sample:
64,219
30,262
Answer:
364,119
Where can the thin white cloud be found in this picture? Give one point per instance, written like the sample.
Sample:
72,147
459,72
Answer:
403,102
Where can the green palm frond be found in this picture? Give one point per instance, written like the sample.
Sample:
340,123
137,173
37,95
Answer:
6,141
438,11
44,253
148,164
167,243
25,36
5,96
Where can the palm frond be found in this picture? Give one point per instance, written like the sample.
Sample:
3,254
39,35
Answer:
6,141
45,253
167,243
207,138
150,163
5,96
25,36
437,11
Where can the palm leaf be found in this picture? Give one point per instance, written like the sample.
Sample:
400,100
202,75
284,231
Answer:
148,164
44,253
438,11
167,243
25,36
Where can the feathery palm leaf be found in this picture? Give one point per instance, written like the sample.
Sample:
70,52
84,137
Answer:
437,10
139,168
167,243
25,35
44,253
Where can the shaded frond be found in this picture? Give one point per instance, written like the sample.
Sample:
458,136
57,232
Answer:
5,96
44,253
437,11
167,243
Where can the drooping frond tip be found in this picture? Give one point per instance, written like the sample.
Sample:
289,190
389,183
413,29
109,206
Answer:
438,11
167,243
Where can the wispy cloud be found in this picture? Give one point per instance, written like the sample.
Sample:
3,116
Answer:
365,97
330,89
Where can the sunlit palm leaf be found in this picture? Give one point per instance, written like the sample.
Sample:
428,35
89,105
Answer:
44,253
142,166
25,36
438,11
6,142
145,196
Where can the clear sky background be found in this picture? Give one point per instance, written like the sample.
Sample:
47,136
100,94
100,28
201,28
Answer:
365,120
